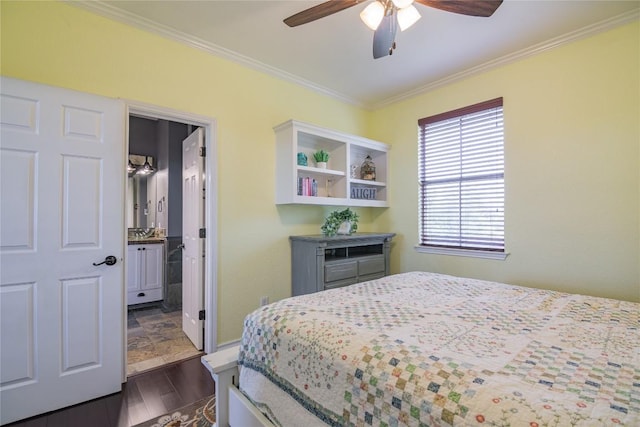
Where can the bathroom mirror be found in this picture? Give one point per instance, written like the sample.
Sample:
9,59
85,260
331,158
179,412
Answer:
141,194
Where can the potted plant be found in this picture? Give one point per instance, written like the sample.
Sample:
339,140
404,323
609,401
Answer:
321,157
340,222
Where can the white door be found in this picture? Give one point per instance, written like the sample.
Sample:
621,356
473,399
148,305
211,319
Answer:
61,182
193,251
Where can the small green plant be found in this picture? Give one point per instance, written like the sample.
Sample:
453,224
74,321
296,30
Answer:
336,218
321,156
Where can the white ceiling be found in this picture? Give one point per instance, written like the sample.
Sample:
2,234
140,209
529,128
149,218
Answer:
334,54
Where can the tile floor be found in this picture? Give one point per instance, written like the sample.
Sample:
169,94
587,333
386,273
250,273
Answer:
155,338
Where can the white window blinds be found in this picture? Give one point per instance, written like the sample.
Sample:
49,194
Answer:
461,172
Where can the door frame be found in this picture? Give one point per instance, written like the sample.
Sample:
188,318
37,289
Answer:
210,215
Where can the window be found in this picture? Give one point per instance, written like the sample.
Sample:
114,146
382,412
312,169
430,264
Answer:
461,173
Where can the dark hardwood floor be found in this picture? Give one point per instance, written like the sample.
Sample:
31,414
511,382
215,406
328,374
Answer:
144,396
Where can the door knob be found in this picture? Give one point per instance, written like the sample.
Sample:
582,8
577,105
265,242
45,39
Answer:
110,260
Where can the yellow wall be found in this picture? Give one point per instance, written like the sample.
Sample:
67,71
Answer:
572,148
572,139
65,46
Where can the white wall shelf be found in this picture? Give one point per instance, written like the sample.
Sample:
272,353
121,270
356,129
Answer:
319,171
366,182
335,184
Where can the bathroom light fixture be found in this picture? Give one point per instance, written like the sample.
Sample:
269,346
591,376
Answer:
146,169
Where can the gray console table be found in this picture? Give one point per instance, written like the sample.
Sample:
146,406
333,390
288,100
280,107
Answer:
319,262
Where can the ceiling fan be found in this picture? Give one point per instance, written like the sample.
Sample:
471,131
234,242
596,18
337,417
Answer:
385,16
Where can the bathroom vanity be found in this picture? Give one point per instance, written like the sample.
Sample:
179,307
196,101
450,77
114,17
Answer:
145,270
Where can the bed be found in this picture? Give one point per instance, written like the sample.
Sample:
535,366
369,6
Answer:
424,349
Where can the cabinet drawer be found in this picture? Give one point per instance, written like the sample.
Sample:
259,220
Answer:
370,277
371,265
136,297
340,283
340,271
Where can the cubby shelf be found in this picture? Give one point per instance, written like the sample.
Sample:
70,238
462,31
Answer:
319,171
371,183
335,185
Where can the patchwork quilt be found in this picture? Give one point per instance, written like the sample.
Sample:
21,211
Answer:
423,349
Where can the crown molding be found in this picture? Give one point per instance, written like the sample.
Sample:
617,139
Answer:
144,24
553,43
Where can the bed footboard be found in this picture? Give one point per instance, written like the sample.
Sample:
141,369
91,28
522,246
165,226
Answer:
242,413
232,408
223,366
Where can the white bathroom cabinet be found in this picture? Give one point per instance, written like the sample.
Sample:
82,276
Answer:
144,272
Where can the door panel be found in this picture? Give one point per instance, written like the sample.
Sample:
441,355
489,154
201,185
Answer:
82,202
83,124
62,182
153,266
81,330
133,268
18,224
17,360
20,114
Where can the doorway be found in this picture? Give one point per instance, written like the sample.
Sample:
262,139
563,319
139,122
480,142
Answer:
154,334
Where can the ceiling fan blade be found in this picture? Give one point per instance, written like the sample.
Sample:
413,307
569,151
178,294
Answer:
385,36
483,8
320,11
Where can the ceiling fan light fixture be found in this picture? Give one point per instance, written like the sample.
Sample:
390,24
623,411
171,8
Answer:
401,4
372,15
407,16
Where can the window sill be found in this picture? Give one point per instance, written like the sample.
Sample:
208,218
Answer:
500,256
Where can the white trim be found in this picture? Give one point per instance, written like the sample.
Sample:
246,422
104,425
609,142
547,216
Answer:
211,203
228,344
472,253
530,51
114,13
128,18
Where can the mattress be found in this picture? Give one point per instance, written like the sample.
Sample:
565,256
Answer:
423,349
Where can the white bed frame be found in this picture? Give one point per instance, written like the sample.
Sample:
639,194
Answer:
232,407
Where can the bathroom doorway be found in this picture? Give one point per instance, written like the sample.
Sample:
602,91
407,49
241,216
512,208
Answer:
155,334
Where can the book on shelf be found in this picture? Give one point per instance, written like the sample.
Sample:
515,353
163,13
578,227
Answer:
307,186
